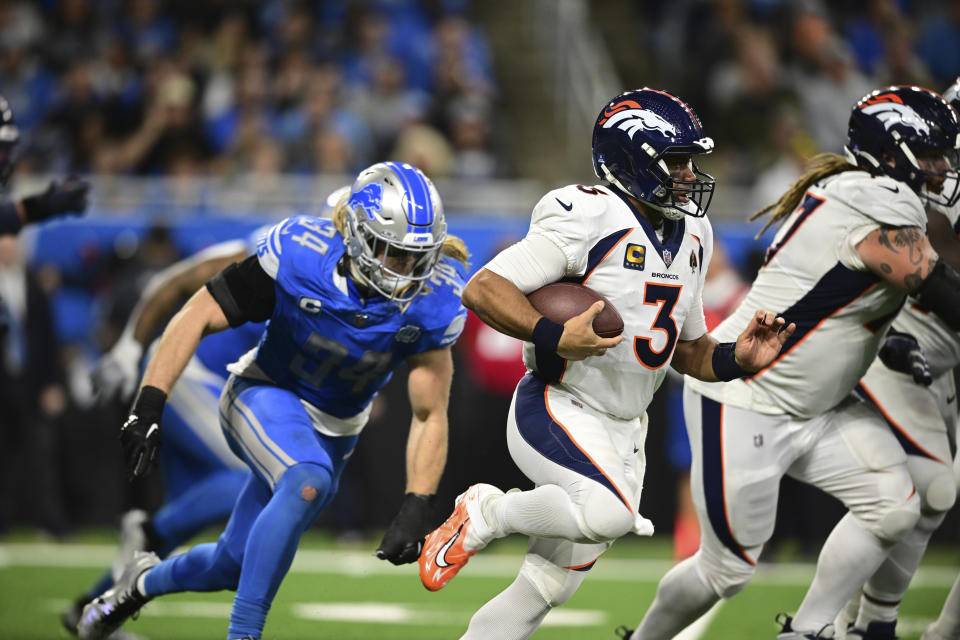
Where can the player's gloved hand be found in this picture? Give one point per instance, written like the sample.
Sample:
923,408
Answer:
116,374
901,352
68,196
403,540
140,434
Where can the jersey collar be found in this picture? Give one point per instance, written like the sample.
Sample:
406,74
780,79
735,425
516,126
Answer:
673,231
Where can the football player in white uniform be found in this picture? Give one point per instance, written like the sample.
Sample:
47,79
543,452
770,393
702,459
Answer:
851,247
921,410
577,423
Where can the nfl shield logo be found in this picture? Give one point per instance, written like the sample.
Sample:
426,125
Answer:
667,257
758,440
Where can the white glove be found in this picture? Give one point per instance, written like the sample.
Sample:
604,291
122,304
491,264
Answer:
116,375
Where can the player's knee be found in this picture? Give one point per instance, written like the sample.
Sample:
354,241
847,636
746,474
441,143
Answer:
555,584
941,492
725,576
309,481
606,518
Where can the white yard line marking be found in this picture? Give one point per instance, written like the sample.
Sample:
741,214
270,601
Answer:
359,563
360,612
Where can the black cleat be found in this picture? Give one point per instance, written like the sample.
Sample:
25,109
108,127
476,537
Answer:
116,605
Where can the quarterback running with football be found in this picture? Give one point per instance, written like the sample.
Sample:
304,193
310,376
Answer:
577,424
348,301
850,248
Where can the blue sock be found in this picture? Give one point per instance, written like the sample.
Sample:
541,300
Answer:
206,502
206,567
297,500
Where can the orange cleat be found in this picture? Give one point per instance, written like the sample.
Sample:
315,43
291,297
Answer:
448,547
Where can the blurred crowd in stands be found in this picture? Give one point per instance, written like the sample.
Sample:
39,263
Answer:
774,80
153,87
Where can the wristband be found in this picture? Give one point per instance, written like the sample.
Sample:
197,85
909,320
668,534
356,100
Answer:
149,402
546,335
725,365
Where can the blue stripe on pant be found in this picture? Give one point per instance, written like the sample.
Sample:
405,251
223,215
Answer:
711,420
537,426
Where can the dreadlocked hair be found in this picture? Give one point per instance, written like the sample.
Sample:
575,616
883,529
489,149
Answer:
453,246
819,167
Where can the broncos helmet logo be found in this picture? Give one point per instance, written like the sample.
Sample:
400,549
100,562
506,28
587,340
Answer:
630,117
889,109
369,199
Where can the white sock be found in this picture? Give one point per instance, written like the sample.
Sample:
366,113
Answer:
884,591
544,512
141,581
850,555
682,597
514,614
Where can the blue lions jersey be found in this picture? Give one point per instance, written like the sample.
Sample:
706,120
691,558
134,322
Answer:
325,342
218,350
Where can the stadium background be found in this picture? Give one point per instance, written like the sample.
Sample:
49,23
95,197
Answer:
198,121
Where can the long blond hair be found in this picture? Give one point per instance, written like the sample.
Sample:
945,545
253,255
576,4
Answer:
818,167
453,246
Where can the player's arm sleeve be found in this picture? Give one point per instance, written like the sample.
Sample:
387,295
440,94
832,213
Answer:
244,291
10,222
695,324
530,263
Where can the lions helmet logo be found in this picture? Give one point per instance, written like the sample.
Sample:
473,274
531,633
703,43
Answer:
629,116
889,109
369,199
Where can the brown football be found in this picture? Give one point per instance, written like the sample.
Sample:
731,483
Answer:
561,301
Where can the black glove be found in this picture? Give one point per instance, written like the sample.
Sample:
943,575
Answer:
901,352
140,434
403,540
69,196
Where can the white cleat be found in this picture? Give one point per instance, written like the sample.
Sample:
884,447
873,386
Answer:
104,614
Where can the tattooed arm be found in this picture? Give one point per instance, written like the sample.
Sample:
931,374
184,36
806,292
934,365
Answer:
900,255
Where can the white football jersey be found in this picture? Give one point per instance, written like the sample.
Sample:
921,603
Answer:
940,344
813,276
655,285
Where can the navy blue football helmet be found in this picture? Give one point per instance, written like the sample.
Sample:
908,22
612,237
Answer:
9,137
903,123
634,135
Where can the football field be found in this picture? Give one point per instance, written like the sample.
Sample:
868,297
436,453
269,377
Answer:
341,592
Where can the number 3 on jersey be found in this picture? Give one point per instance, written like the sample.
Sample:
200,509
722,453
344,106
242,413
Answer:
665,296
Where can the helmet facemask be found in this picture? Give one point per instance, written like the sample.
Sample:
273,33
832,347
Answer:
394,270
941,184
672,198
